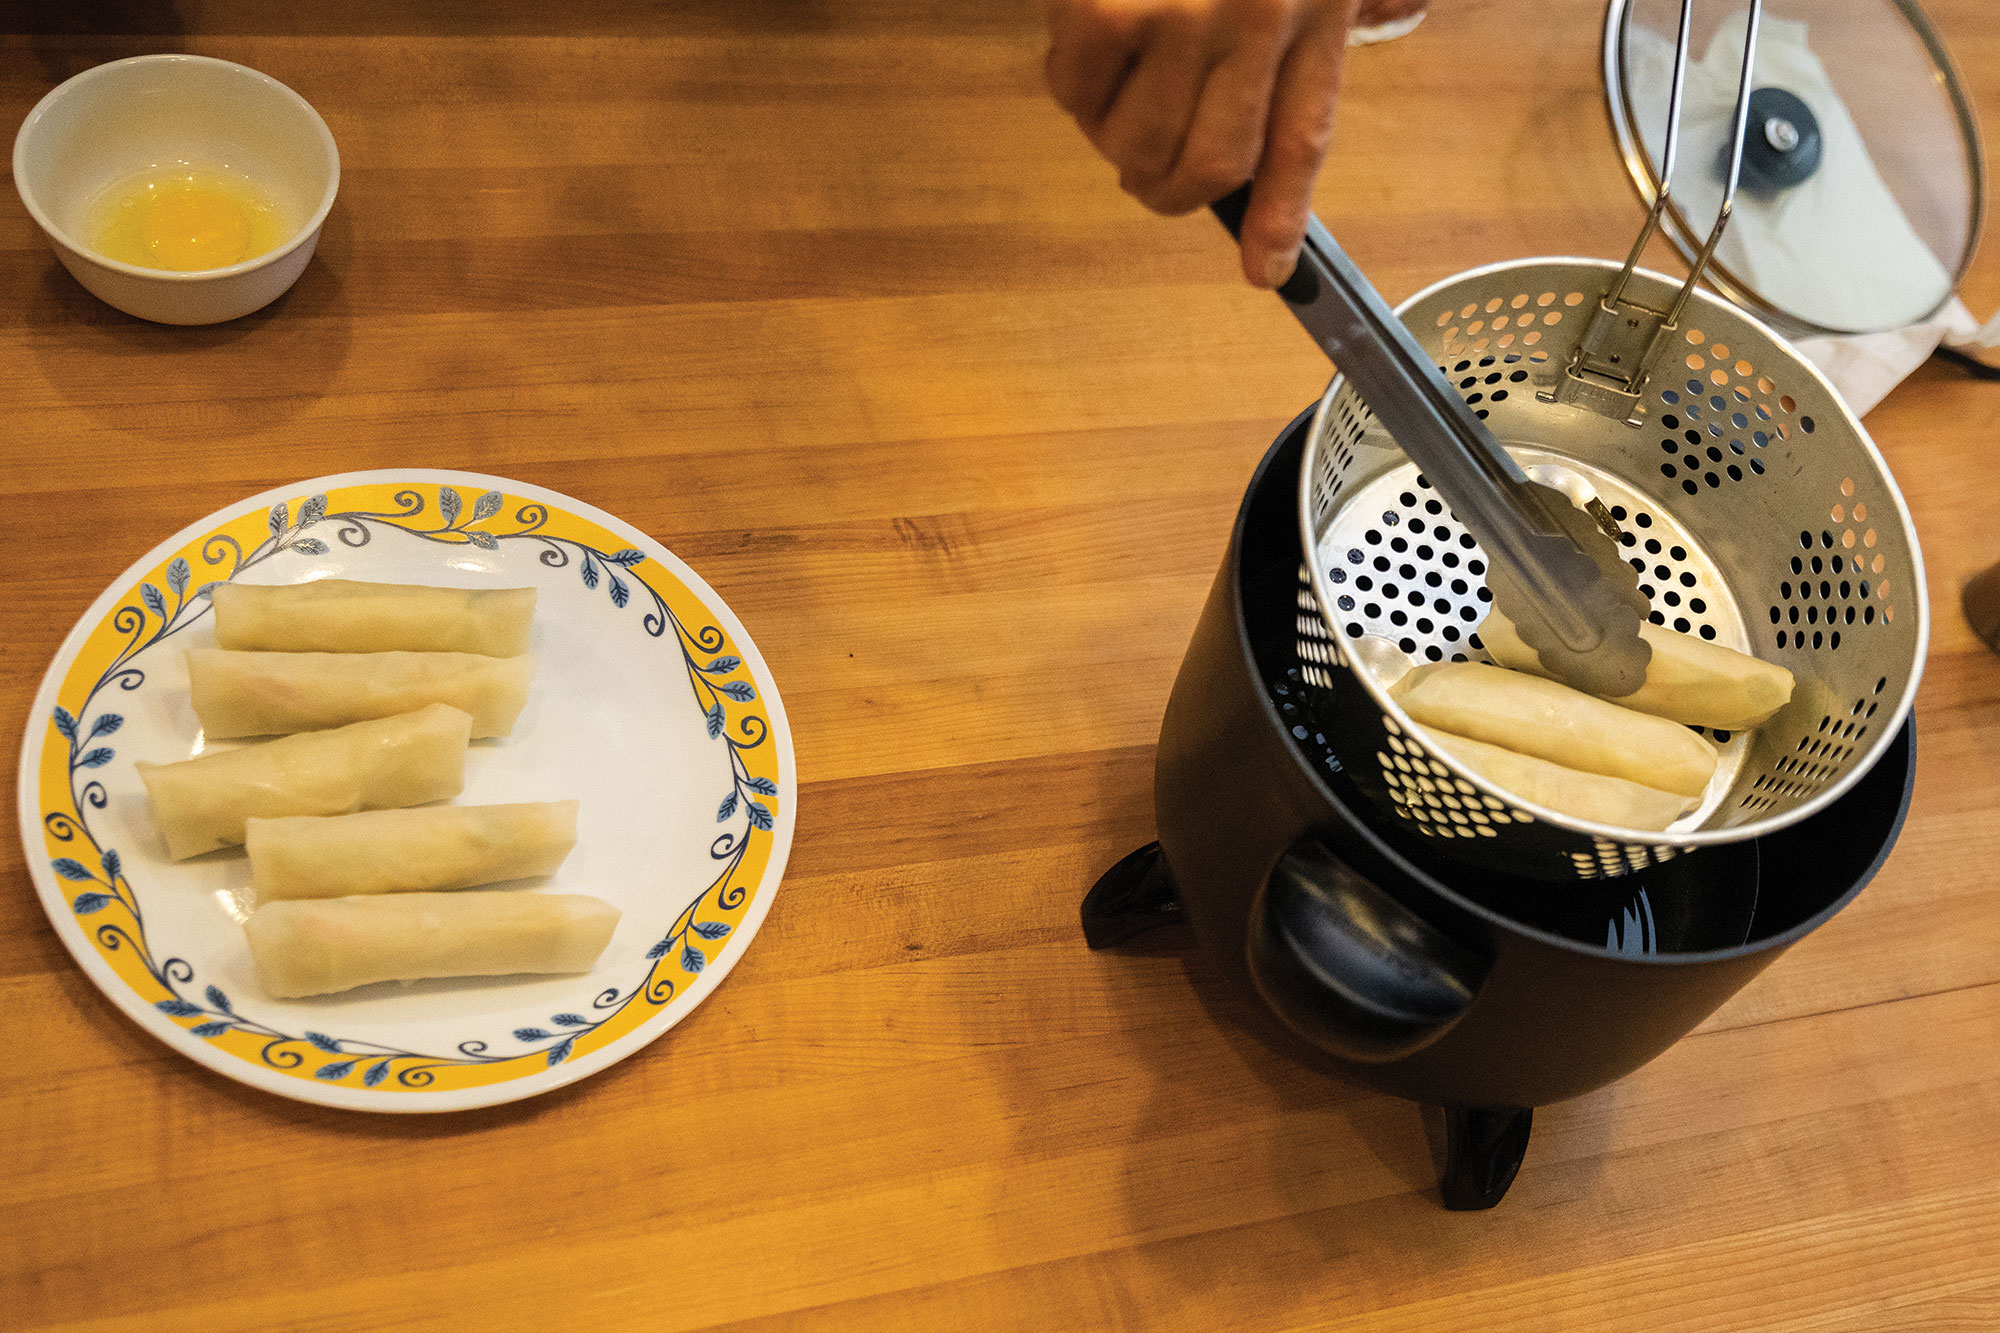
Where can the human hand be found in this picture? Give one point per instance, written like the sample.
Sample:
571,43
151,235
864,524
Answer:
1191,98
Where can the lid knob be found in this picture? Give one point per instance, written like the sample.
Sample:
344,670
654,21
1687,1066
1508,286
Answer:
1781,143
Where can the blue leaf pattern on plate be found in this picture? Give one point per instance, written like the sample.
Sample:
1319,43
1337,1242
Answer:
486,506
112,865
589,571
216,999
65,723
312,511
309,546
560,1051
711,930
620,594
215,1029
485,541
659,950
278,517
727,809
177,1007
86,903
106,724
571,1020
97,758
339,1069
449,504
324,1042
692,959
715,721
742,691
762,786
531,1034
723,665
376,1073
627,557
154,600
760,816
177,575
205,589
71,868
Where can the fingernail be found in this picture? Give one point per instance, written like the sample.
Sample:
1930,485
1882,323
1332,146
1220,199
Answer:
1278,268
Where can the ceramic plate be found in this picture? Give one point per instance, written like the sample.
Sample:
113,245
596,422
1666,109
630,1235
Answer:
650,705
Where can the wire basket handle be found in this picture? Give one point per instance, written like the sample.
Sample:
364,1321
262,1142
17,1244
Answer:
1608,371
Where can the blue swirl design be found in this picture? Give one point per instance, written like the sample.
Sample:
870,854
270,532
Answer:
155,619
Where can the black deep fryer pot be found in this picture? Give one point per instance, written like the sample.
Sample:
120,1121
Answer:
1423,976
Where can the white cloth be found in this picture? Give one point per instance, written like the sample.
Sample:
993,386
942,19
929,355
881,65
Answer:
1835,249
1865,366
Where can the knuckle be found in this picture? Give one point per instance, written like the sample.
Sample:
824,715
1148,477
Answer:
1300,142
1146,153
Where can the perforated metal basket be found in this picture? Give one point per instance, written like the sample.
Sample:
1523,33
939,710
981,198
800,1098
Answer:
1754,505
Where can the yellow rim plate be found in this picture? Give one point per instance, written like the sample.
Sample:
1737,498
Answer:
650,704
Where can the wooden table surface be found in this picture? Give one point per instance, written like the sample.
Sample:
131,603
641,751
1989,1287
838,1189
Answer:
831,301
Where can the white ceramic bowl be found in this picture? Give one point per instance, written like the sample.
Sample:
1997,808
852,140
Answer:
115,120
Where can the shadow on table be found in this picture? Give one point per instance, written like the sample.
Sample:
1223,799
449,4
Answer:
1353,1173
209,381
137,1051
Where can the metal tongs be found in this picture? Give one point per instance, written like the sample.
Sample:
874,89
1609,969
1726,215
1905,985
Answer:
1555,570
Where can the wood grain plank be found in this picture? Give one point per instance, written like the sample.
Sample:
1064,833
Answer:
830,300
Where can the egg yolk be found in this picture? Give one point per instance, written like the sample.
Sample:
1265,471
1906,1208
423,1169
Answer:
185,219
193,229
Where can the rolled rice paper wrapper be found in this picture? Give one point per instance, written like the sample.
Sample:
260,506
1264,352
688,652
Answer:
1587,796
345,616
275,694
203,804
317,946
1688,679
404,851
1548,720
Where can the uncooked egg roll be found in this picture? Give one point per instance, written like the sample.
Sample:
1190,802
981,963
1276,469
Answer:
1688,679
1591,796
315,946
202,804
266,694
1533,716
403,851
345,616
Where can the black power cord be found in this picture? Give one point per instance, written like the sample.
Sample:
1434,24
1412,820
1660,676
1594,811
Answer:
1970,364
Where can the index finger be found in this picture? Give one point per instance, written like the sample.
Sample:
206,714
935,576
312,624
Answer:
1295,143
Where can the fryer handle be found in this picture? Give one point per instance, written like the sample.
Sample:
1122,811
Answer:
1349,968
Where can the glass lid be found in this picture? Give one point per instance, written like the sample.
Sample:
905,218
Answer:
1862,184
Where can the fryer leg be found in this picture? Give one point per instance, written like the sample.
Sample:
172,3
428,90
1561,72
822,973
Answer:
1483,1150
1133,896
